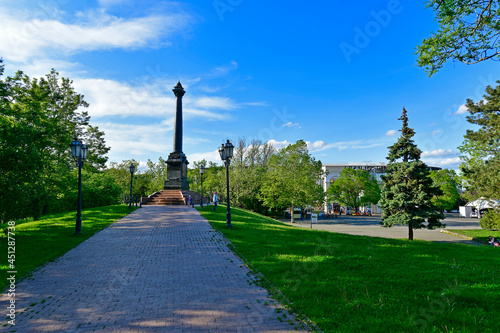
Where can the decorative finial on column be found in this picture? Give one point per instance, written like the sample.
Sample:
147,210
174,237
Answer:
179,90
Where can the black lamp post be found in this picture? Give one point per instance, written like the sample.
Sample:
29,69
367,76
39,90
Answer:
202,171
226,153
132,169
79,152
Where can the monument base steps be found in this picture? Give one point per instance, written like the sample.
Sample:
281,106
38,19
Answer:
164,198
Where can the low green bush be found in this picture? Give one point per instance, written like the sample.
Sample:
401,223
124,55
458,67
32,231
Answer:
490,220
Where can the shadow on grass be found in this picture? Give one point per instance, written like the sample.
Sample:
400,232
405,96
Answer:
38,242
347,283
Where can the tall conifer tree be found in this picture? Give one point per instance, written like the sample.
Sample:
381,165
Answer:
408,187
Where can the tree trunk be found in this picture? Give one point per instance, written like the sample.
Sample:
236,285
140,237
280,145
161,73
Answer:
291,213
410,231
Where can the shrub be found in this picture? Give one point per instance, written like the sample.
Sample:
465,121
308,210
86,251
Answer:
100,189
490,220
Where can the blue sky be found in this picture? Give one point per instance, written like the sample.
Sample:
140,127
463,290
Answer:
335,74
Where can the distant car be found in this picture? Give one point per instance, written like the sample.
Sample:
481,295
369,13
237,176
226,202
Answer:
483,211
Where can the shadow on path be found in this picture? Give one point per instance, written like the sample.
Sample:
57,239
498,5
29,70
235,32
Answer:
161,268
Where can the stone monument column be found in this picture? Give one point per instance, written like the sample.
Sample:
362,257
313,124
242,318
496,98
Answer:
177,161
179,93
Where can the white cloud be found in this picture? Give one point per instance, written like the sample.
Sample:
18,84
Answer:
462,109
113,98
279,144
223,103
195,141
320,145
25,38
436,132
188,113
40,67
137,140
391,133
317,145
210,89
449,163
357,144
291,125
223,70
110,3
440,153
146,140
367,145
445,158
314,146
212,156
255,104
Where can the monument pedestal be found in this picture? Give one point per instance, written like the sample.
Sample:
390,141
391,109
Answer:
176,172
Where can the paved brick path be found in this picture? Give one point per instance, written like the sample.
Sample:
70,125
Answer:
160,269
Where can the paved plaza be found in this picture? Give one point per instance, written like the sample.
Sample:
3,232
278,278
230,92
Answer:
370,226
159,269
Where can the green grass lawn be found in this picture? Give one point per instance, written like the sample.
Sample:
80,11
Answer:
37,242
350,283
480,234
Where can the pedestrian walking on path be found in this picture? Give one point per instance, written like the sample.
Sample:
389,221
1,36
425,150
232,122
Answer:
159,269
216,200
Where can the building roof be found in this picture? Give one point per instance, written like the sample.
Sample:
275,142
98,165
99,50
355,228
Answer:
355,164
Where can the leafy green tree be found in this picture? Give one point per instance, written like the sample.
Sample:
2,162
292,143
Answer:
258,153
97,149
214,178
469,33
38,120
408,188
238,175
194,176
481,148
247,173
156,175
99,189
292,178
447,181
120,173
354,188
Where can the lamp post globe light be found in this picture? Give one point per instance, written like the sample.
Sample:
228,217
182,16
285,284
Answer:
132,169
79,153
202,171
226,153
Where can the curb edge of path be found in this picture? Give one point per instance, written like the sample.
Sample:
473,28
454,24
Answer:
444,231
